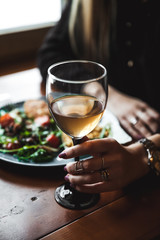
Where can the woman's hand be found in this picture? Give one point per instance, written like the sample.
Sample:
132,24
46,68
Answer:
122,165
134,115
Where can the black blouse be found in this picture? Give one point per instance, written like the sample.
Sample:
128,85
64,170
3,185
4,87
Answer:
135,60
134,64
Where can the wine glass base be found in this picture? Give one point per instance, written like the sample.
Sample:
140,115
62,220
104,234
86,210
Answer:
68,197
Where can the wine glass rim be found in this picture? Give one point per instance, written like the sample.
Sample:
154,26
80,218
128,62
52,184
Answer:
78,81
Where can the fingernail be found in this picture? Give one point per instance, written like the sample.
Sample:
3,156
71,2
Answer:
65,169
63,155
66,178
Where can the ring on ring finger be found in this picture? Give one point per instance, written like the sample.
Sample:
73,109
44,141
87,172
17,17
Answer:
79,167
133,120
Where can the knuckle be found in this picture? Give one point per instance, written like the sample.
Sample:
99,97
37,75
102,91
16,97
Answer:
87,165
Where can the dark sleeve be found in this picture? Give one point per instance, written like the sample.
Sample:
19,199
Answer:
56,46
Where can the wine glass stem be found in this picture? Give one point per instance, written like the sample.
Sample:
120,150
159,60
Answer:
75,142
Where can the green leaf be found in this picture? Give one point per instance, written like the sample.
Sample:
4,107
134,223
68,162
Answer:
104,129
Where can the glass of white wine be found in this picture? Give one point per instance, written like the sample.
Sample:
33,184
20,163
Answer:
76,93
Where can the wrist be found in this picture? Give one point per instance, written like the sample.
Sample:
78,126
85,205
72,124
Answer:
153,154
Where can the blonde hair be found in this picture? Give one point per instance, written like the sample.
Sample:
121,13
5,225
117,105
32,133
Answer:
89,28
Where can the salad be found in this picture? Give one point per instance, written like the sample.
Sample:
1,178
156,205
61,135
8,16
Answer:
29,137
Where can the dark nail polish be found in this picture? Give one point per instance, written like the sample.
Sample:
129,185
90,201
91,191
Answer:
65,169
66,178
63,155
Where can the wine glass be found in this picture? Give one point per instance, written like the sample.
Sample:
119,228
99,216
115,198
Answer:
76,93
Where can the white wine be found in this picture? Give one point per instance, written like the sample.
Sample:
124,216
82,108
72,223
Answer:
77,115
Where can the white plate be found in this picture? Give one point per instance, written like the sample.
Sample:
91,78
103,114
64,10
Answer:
117,131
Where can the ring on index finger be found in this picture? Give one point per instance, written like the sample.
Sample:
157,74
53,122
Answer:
79,167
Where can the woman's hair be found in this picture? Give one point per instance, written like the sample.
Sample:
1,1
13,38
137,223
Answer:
90,27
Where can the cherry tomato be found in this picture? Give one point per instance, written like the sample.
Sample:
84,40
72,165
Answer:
53,141
42,120
6,120
11,146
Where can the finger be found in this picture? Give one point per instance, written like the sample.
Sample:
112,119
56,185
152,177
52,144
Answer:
142,129
149,120
88,178
91,147
154,114
90,165
144,107
130,129
96,187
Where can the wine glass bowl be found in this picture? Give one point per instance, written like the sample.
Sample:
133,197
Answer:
76,93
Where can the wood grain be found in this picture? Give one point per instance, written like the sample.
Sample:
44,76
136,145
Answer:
27,206
133,216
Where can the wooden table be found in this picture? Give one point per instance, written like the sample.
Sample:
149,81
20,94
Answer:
28,209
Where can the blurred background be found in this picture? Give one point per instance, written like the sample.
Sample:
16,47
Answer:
23,25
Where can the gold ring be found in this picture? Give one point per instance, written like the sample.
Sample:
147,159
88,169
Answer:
79,167
102,158
104,175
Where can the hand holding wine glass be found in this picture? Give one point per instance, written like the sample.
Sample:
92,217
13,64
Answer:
77,95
